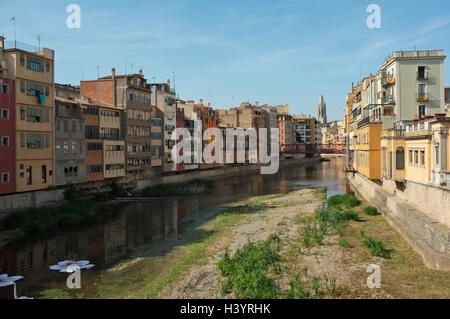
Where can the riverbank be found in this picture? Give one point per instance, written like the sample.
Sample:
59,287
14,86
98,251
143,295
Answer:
318,263
22,201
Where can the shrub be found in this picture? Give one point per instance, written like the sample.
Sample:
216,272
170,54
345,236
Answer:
247,270
331,285
347,201
350,214
298,289
371,211
194,187
376,247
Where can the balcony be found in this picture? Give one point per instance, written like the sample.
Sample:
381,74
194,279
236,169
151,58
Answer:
422,97
418,130
388,99
387,80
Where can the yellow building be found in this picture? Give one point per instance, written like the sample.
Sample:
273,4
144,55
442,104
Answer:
393,147
33,71
427,145
419,153
367,154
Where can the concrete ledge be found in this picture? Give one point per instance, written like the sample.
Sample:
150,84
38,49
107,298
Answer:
426,235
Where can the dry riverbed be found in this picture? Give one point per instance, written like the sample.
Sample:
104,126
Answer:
187,266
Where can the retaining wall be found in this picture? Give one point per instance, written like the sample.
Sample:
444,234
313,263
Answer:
429,237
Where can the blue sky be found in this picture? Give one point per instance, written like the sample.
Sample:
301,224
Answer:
274,52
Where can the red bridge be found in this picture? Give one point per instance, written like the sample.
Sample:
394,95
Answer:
313,149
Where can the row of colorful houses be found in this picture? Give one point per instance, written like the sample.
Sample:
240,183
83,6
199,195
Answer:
397,121
116,127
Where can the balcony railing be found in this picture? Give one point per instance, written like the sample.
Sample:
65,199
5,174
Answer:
21,46
423,97
387,99
387,79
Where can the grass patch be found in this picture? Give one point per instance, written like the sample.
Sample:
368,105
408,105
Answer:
304,287
344,243
343,201
371,211
376,247
247,271
194,187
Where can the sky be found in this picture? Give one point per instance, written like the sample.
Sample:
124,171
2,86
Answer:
228,52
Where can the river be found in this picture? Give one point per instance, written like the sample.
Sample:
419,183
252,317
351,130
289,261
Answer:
136,224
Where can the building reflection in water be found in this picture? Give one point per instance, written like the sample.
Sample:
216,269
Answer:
114,238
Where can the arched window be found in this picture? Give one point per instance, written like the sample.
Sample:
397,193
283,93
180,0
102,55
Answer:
400,158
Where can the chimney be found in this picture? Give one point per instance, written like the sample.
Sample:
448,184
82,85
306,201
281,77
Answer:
114,87
201,102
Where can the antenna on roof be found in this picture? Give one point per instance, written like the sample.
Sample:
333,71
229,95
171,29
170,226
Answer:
98,72
126,67
39,42
174,87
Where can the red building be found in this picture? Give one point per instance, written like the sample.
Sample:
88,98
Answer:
7,134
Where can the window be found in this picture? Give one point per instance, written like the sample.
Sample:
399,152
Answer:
400,158
5,141
5,89
94,146
436,151
47,66
29,175
74,126
422,110
35,64
95,169
421,89
44,174
66,126
416,157
422,158
37,141
5,178
22,114
22,140
22,86
411,157
22,59
92,132
58,125
21,168
34,89
5,114
36,115
421,75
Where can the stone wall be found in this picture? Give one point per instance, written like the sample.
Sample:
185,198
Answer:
432,199
9,203
425,234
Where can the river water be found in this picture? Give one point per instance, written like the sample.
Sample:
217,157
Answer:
114,237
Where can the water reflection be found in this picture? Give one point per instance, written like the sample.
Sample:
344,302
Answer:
144,223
